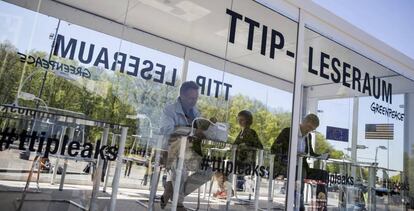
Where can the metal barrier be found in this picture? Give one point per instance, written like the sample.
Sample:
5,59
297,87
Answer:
97,177
66,124
118,168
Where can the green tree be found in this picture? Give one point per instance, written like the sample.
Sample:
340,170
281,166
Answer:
323,146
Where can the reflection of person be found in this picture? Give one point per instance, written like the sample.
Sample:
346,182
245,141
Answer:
148,167
182,113
44,167
44,164
128,168
281,148
247,143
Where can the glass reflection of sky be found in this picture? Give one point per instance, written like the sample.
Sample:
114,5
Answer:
338,113
272,97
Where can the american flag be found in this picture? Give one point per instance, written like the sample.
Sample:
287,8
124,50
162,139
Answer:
379,131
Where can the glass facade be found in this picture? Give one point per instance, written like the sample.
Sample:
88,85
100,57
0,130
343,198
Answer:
362,111
97,112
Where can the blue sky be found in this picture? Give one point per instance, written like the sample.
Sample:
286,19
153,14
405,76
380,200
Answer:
390,21
338,113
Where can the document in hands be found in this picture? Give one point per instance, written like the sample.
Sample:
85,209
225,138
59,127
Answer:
184,131
324,156
217,132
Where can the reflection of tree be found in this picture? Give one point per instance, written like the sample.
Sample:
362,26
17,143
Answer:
409,172
395,179
10,71
146,97
323,146
111,95
106,96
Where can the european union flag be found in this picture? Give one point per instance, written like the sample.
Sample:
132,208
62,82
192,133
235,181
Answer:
337,134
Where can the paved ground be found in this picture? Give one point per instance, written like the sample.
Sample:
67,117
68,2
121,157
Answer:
51,199
78,186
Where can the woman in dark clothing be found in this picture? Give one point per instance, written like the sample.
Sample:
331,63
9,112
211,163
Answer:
247,143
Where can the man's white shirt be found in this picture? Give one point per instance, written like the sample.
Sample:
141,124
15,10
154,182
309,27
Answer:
302,142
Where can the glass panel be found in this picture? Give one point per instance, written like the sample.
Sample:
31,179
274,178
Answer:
81,81
223,95
104,91
24,33
261,51
40,135
262,39
362,112
149,83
